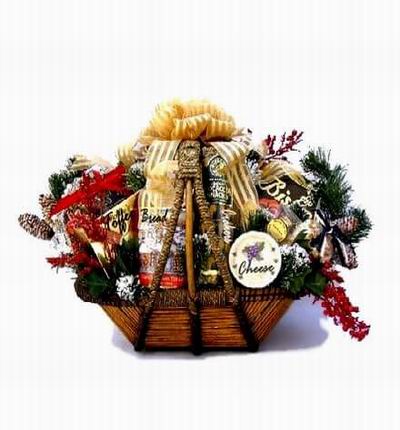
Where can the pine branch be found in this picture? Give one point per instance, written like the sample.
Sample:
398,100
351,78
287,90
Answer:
364,225
317,162
330,185
59,181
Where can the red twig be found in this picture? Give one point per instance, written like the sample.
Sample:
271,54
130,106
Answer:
287,144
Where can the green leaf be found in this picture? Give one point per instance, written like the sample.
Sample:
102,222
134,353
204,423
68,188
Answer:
315,282
97,283
303,240
127,258
298,281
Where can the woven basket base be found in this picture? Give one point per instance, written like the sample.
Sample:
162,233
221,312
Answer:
170,324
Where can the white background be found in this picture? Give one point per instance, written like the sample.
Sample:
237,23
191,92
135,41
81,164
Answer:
83,76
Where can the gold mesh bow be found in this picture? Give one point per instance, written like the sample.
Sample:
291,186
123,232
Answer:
175,121
194,119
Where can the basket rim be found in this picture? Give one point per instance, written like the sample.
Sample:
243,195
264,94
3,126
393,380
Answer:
166,298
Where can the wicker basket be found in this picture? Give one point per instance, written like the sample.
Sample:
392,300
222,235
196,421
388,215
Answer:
228,317
217,327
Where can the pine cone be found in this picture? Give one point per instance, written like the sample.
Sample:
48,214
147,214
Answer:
35,226
46,202
347,224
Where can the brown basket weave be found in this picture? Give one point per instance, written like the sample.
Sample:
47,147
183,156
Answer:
217,326
228,317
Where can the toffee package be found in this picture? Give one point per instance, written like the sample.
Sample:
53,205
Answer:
152,228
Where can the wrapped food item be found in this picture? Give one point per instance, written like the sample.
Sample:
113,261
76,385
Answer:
284,223
152,229
219,197
282,182
122,219
216,186
115,226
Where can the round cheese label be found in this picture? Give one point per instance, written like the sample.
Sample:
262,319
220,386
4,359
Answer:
255,259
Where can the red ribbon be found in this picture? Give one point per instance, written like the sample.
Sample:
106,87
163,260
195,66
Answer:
111,181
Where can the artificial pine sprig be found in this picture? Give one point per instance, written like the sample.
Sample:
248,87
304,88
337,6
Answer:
331,188
330,185
58,182
363,226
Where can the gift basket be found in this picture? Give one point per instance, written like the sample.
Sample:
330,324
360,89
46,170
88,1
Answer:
199,238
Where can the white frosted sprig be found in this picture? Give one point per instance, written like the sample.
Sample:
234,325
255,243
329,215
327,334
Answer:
127,286
254,170
301,257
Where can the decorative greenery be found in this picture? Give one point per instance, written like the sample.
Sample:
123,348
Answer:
135,179
331,189
59,181
127,258
330,186
258,220
295,268
126,264
128,288
315,282
97,282
363,227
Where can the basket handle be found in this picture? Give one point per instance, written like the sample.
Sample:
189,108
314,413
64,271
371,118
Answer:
190,178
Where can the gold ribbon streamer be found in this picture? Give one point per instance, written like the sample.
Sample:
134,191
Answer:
159,170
